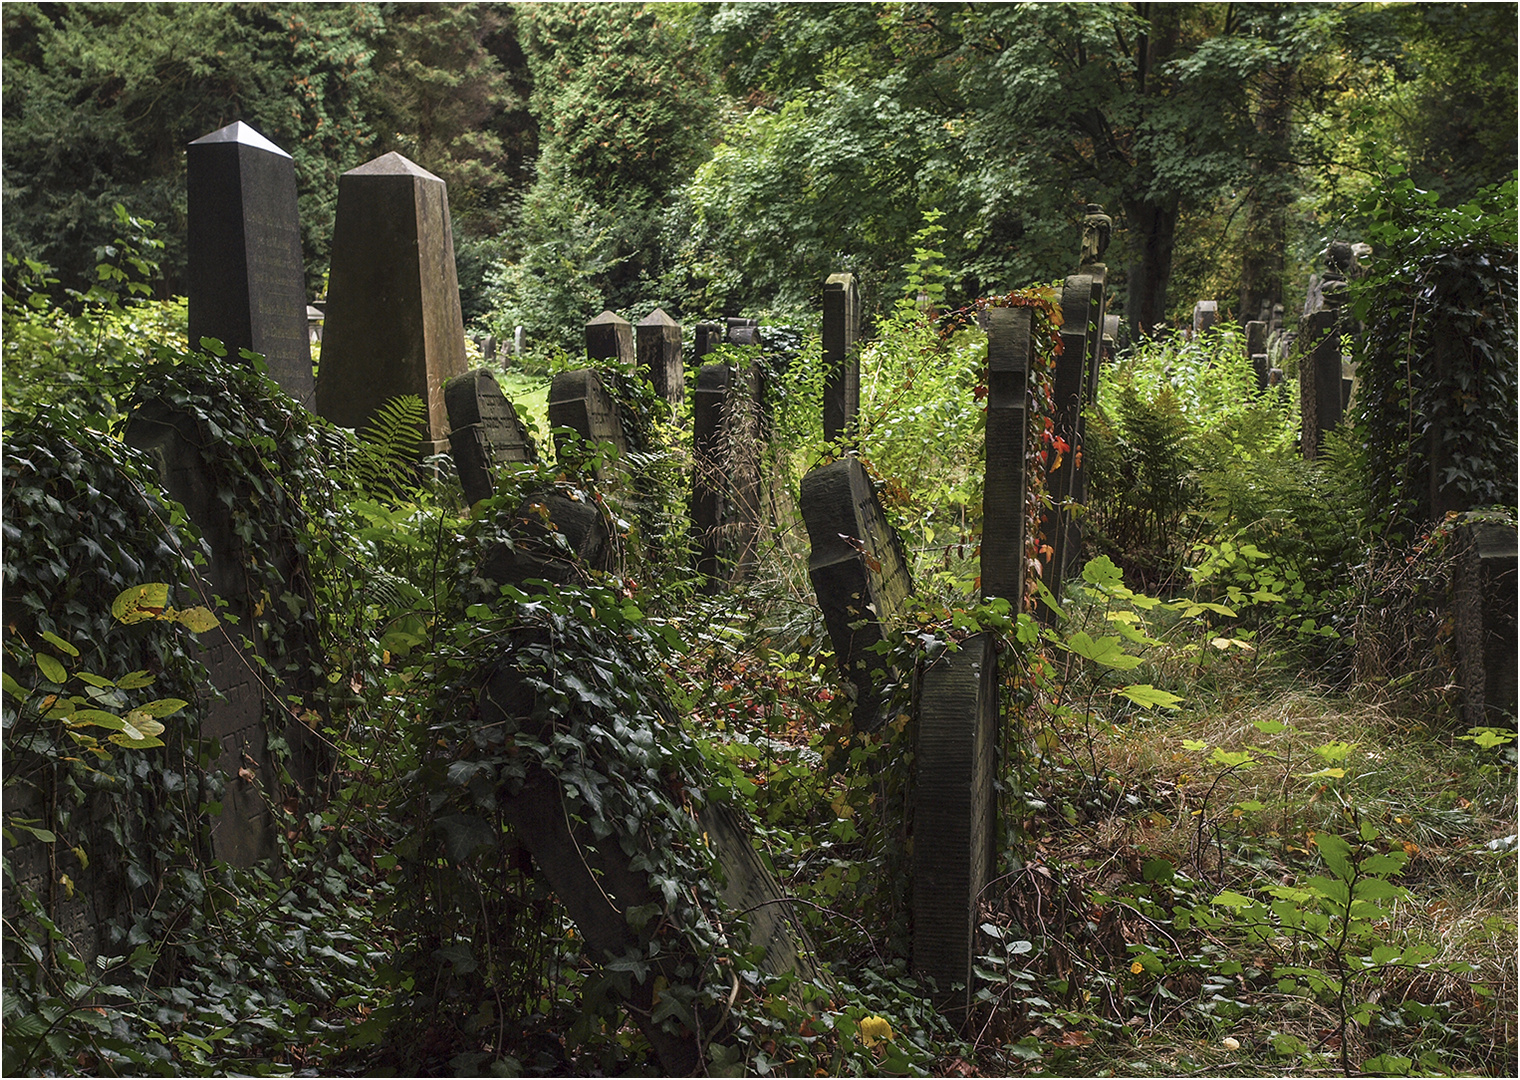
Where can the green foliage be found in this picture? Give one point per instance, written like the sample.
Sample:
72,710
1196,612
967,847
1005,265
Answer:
1437,404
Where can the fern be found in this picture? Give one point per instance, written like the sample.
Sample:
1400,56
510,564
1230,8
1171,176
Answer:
384,464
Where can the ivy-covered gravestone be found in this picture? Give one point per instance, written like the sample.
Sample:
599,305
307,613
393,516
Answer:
580,401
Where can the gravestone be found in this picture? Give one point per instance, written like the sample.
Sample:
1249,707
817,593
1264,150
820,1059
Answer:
1070,393
709,336
743,331
484,432
1256,349
1484,619
610,337
243,833
1110,336
841,359
858,573
658,343
1205,316
314,319
247,283
519,341
1010,345
393,318
725,512
955,804
1319,379
579,400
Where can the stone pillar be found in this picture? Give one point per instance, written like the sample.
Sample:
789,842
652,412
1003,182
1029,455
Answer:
247,284
1319,379
393,319
1205,316
658,343
725,511
841,360
1070,394
1010,346
1256,349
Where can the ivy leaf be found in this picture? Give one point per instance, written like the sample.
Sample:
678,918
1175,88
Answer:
51,669
140,603
1147,696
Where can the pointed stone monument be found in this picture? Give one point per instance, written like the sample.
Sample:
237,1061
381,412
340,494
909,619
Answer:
393,324
247,283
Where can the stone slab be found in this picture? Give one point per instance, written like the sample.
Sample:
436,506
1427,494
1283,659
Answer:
841,358
485,432
858,573
1010,347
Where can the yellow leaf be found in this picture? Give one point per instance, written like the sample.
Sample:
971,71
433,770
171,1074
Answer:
140,603
196,619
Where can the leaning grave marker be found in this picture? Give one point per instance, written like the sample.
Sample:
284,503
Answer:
247,284
484,432
580,401
393,323
858,573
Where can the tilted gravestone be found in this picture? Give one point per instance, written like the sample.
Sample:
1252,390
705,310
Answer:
1256,349
247,283
610,337
1010,345
858,573
658,344
393,318
579,400
244,831
725,512
841,360
955,803
485,432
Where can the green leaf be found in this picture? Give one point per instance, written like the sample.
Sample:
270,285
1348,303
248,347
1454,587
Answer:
1147,696
13,688
1336,853
162,707
51,669
1105,650
58,643
1232,759
1232,900
1194,744
1102,572
95,718
140,603
196,619
134,681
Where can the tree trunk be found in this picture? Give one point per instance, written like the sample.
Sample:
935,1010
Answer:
1265,236
1153,228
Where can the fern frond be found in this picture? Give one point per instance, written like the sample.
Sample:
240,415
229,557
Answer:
390,446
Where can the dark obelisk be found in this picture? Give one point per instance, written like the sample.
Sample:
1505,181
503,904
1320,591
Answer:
393,324
247,285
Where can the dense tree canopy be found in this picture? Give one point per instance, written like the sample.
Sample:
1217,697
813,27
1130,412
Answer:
716,158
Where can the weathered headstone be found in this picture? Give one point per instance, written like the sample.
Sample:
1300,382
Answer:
658,343
858,573
841,360
1009,347
1110,336
1484,619
519,341
1256,349
393,318
484,432
743,331
579,400
244,831
1319,379
610,337
1205,316
314,319
725,513
709,336
955,804
247,283
1070,394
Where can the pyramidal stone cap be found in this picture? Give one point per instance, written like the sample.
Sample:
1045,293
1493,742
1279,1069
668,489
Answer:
657,317
392,164
239,132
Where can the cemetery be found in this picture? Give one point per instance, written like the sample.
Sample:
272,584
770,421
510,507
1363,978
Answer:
899,654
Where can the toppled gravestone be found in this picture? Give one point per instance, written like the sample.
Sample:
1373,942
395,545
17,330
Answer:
858,573
599,882
485,432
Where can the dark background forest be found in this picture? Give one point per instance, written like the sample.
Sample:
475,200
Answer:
724,158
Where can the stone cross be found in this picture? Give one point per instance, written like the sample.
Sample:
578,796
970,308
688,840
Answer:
1009,349
658,343
858,573
955,804
841,360
484,432
247,284
393,318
